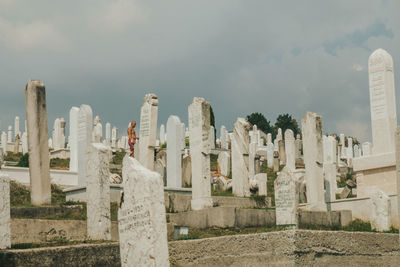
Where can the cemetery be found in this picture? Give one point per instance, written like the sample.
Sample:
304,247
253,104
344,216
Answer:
178,195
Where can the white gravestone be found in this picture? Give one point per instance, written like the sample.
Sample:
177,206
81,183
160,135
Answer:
299,146
382,101
85,119
240,158
366,149
162,134
286,198
380,210
5,219
183,138
4,142
330,181
223,138
141,218
313,160
9,136
108,134
356,150
97,135
114,137
224,162
73,138
39,161
329,149
16,127
199,128
148,131
261,180
290,150
24,141
98,192
174,154
270,154
212,137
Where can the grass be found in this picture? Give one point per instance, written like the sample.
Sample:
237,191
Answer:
355,226
57,242
59,163
222,193
10,156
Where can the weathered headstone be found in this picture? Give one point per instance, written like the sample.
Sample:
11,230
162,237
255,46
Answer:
261,179
10,135
329,149
380,210
16,127
148,131
240,158
313,160
286,198
108,134
199,128
114,137
212,137
299,146
97,135
276,161
174,164
98,192
397,143
183,138
186,171
24,143
290,150
85,122
282,152
4,142
73,138
382,101
141,218
223,138
356,150
252,160
270,154
330,181
224,162
162,134
39,161
5,220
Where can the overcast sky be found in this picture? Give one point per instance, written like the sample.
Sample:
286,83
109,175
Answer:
244,56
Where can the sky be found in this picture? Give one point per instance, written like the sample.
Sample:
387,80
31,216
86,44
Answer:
272,57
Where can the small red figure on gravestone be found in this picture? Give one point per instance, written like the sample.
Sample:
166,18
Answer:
132,138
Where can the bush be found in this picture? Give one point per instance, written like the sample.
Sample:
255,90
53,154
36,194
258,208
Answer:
24,161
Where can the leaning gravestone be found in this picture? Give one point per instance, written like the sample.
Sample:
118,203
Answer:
98,192
141,217
5,221
286,198
224,162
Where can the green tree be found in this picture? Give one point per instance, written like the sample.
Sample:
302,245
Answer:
262,123
286,121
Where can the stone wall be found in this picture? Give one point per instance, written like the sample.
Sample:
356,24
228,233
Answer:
284,248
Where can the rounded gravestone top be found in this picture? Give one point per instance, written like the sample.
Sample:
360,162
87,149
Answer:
380,57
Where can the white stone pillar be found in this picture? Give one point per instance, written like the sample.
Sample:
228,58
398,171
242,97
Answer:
4,142
224,141
114,137
98,192
290,150
24,141
73,138
142,222
5,219
39,161
16,127
85,119
381,216
108,134
224,161
313,160
212,137
240,157
174,154
330,181
162,134
148,131
199,128
9,136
